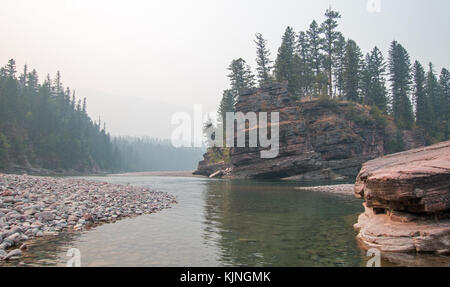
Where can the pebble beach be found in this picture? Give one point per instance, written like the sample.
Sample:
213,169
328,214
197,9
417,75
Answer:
33,207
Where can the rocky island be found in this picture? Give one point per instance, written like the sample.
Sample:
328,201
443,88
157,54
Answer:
320,139
33,207
407,201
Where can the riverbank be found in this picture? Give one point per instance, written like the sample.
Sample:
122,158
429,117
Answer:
33,207
188,173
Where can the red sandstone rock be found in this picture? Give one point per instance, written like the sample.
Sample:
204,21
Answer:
415,181
407,201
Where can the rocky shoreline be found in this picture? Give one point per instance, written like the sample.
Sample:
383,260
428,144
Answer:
33,207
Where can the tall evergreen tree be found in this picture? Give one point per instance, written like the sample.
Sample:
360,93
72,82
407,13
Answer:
306,77
315,44
433,95
285,62
338,63
400,77
227,104
263,60
303,47
366,81
240,76
376,69
444,84
352,71
423,107
331,36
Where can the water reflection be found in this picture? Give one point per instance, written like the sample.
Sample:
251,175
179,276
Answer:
271,224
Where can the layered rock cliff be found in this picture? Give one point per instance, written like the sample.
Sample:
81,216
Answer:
319,139
407,201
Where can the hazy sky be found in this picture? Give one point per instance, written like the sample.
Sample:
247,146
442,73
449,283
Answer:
139,61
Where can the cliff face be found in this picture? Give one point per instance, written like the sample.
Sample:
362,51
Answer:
319,139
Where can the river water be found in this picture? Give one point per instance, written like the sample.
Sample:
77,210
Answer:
219,223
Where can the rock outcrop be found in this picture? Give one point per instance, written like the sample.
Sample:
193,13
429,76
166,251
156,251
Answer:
215,160
319,139
407,201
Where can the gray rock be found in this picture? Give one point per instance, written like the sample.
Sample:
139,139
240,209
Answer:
45,216
8,199
13,254
29,211
15,237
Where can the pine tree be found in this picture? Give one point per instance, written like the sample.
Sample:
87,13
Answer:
10,69
288,65
285,62
352,72
423,112
303,47
400,77
376,68
366,81
433,96
263,60
306,77
315,44
227,104
444,84
57,85
338,64
331,36
23,76
240,76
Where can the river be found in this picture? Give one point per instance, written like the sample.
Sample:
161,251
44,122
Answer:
218,223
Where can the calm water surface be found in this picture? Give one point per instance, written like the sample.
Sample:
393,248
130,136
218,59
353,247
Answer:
219,223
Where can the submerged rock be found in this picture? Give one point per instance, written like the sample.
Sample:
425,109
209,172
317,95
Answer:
407,201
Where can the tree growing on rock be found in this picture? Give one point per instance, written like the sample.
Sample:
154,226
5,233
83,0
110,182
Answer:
328,45
338,64
285,62
400,78
444,84
433,96
352,72
263,60
241,76
375,82
423,112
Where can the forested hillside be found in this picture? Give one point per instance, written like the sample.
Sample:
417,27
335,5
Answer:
321,63
44,128
44,125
